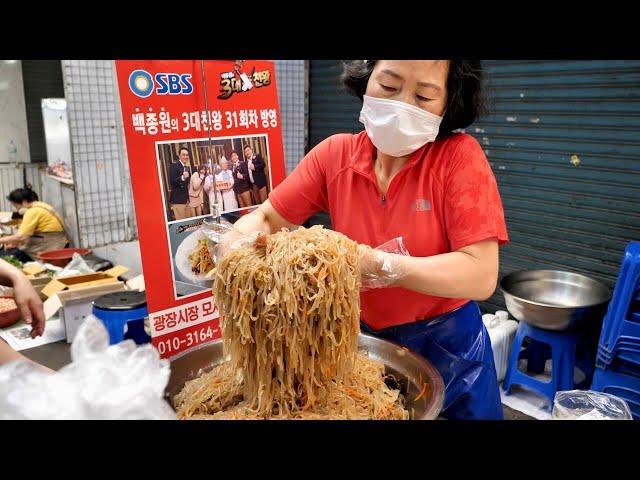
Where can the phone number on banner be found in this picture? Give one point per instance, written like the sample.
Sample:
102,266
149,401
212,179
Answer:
185,339
153,123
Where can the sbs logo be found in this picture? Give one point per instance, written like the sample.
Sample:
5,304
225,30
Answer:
143,84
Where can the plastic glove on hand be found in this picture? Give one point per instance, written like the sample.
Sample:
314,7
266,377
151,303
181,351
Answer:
378,267
225,237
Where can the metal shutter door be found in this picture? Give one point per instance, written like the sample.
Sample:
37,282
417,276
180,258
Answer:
563,142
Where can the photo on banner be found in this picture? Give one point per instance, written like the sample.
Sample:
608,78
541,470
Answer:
239,166
213,108
192,261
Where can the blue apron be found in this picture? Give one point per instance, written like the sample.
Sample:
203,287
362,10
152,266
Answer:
458,345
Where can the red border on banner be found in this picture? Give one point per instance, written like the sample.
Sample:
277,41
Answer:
163,101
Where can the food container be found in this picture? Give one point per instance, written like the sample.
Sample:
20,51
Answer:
8,316
408,368
554,299
61,257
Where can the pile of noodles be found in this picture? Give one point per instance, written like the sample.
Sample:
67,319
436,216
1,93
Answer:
290,310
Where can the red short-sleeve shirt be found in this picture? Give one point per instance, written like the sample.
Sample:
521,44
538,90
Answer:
444,198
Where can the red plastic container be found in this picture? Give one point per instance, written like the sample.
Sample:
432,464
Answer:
9,317
61,257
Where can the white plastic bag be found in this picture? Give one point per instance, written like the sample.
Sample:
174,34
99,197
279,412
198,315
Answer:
501,332
119,382
589,405
77,266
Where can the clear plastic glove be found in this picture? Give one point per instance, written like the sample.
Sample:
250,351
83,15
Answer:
224,237
377,265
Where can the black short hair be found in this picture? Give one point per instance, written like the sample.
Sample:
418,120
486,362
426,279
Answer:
465,102
183,147
247,146
20,195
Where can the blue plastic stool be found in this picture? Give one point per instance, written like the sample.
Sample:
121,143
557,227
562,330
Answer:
622,365
566,351
620,319
118,309
620,385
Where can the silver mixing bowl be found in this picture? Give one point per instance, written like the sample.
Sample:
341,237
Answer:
553,299
406,367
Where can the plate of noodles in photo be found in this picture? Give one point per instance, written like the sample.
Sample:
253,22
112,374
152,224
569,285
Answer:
194,260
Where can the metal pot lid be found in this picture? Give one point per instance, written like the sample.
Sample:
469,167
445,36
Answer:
127,300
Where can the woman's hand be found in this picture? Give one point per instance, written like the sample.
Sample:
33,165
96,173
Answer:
380,267
12,241
225,237
25,296
235,239
29,304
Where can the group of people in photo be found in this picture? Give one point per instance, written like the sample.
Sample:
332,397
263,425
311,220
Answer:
238,182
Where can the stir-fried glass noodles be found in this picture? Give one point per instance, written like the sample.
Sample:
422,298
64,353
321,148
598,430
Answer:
200,258
290,309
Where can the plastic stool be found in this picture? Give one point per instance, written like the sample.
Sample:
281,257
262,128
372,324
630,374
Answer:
566,351
620,385
123,308
617,319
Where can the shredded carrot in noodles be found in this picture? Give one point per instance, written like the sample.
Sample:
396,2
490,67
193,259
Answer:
290,319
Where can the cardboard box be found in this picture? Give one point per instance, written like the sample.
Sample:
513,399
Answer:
75,304
136,283
39,283
58,285
33,270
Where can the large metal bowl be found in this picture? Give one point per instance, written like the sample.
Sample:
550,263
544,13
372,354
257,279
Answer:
555,300
407,367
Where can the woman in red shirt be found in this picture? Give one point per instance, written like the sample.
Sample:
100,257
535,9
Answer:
409,175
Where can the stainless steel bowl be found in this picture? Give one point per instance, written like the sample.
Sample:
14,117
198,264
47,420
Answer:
553,299
407,367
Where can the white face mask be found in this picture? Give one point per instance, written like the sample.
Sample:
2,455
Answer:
397,128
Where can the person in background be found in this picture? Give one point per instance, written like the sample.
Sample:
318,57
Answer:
214,167
206,207
257,177
208,189
238,68
196,191
179,182
241,182
221,159
42,228
226,196
30,307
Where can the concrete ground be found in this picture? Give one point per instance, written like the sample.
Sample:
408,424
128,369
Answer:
57,355
511,414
